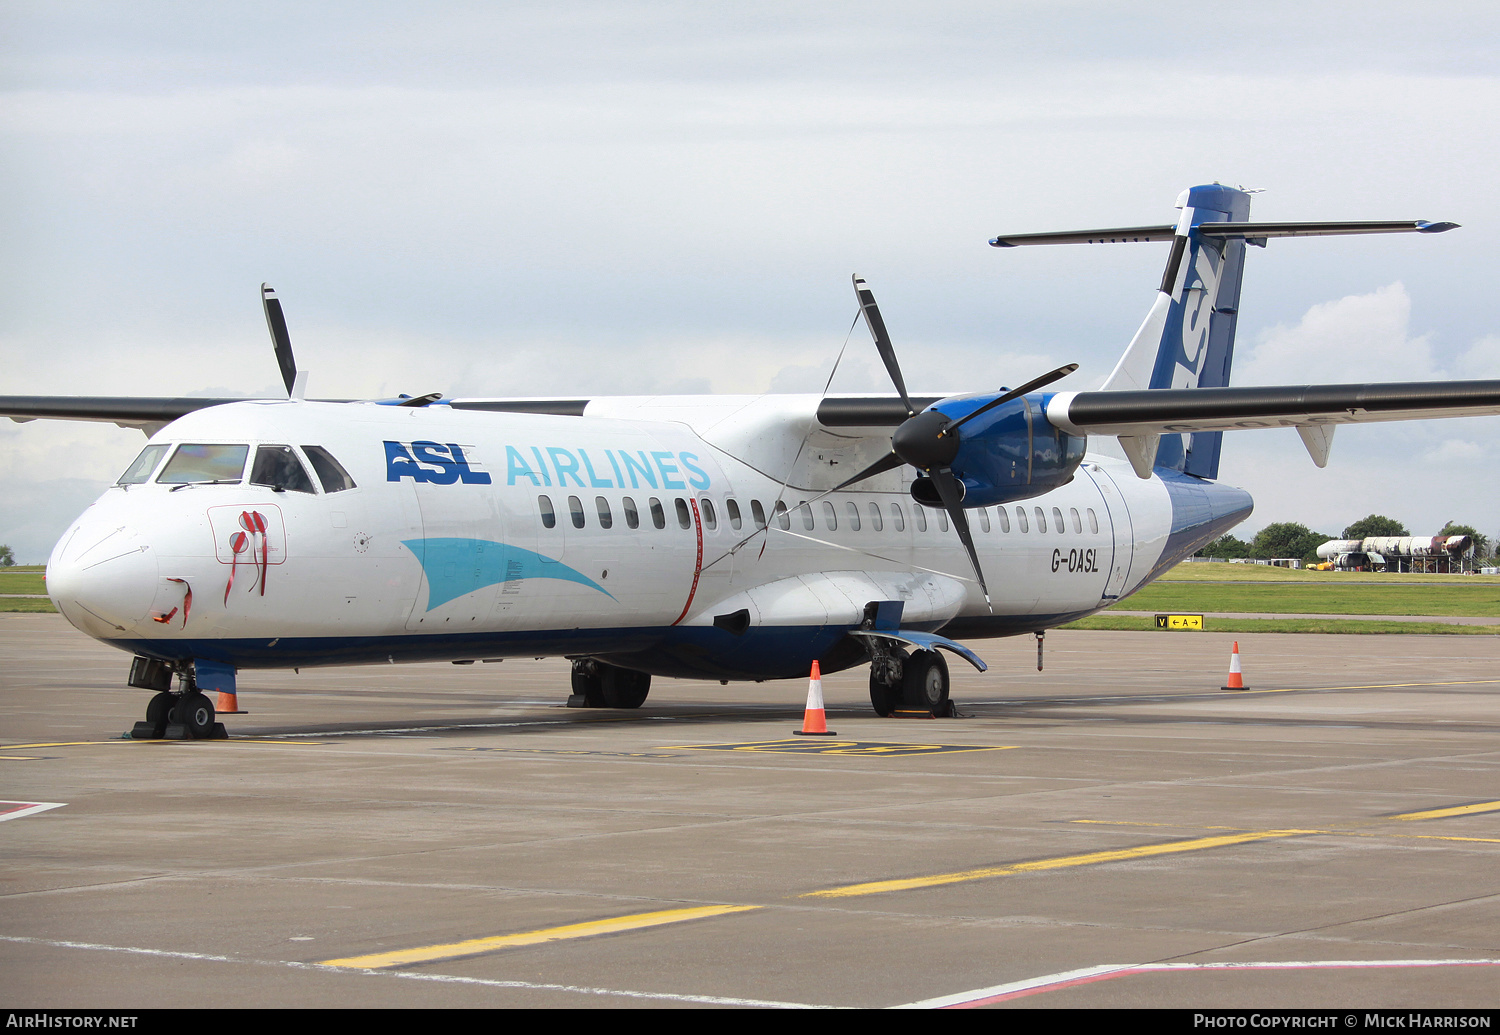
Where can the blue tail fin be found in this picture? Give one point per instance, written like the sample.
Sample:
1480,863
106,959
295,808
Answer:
1187,340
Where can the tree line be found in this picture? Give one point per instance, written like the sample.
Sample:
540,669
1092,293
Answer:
1291,539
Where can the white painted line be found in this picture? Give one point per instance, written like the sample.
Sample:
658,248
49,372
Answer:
17,809
1110,971
409,975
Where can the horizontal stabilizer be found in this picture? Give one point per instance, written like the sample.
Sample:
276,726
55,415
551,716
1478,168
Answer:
1248,231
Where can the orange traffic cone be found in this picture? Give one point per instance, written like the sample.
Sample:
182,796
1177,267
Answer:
228,704
814,723
1236,680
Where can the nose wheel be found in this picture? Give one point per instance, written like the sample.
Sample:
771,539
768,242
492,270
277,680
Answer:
181,716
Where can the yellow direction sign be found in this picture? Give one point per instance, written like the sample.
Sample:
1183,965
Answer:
1193,622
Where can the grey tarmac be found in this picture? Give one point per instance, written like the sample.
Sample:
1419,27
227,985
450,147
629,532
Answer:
1114,831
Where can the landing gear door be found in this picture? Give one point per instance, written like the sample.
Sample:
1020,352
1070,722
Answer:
1123,533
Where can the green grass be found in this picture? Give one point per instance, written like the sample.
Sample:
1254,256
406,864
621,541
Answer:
22,580
30,605
1474,598
1132,623
1261,573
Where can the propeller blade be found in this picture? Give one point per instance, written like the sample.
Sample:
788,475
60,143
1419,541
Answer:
952,495
280,340
1014,393
889,462
873,321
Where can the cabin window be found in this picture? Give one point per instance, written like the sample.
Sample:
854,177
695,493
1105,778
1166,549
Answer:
1004,516
783,519
1041,520
807,516
852,510
575,511
758,513
830,516
710,519
684,518
220,465
984,520
329,471
1077,524
897,518
658,516
140,471
1093,522
735,521
1021,519
632,516
943,520
921,515
549,516
1057,521
606,519
875,522
278,467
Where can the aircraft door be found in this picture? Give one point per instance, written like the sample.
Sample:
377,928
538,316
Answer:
462,544
1122,532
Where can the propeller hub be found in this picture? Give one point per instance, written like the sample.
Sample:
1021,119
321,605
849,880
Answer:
921,441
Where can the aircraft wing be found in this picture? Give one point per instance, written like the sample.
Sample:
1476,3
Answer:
1170,411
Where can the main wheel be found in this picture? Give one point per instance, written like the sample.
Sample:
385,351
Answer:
159,712
196,712
624,688
884,697
925,684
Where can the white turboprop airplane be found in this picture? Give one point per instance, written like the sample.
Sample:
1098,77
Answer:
727,537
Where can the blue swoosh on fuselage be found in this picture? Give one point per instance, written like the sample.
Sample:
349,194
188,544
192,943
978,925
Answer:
458,566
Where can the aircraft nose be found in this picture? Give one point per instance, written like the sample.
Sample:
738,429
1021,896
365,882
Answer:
102,576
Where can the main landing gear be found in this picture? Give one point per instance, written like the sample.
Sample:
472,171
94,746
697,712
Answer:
597,685
916,682
187,714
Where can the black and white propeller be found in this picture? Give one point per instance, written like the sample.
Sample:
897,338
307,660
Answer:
930,440
281,341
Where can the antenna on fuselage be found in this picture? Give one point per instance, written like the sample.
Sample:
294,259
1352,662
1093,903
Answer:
294,379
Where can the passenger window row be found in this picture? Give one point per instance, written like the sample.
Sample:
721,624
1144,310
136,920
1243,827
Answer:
853,517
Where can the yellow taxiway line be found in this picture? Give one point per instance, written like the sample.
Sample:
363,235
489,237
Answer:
1060,862
1456,810
476,946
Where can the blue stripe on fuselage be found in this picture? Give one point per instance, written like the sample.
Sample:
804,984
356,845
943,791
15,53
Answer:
455,567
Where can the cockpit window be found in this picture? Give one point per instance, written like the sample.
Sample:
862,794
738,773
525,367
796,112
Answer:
195,463
140,471
278,467
330,472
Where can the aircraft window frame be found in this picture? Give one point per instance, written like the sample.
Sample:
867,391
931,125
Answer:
1021,520
1004,516
736,520
851,511
782,515
1057,519
710,518
1077,521
830,516
544,507
139,472
1041,520
758,512
984,519
806,513
658,515
684,516
921,513
943,520
877,523
632,516
898,518
164,478
1093,521
331,474
575,511
606,519
289,464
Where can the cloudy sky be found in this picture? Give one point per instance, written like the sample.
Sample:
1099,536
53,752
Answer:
535,198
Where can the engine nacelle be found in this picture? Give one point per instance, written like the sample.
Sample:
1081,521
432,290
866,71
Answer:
1009,453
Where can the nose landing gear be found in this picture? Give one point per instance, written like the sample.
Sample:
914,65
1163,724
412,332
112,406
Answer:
187,714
